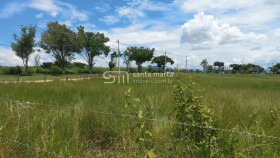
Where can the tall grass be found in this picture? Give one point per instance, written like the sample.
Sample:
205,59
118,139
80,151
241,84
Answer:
240,102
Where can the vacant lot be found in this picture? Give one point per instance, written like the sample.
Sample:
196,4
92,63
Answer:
81,118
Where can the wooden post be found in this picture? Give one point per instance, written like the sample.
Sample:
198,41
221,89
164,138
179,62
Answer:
18,78
67,77
45,78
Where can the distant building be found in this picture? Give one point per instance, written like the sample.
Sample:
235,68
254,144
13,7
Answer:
254,70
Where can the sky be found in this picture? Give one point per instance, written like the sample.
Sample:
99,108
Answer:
232,31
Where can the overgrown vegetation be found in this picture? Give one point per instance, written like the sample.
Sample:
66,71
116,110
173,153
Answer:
237,102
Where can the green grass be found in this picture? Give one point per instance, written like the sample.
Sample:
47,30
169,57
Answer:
237,101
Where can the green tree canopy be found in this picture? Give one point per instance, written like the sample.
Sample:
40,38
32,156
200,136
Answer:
161,61
204,64
219,64
246,67
277,65
61,42
24,45
93,44
141,55
126,58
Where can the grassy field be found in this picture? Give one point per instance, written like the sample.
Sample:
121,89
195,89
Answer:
241,102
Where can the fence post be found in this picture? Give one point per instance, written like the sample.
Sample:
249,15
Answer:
84,76
18,78
45,78
67,77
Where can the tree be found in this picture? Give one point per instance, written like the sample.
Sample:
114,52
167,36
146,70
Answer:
93,44
236,67
204,64
161,61
61,42
277,65
219,64
273,69
24,45
209,69
37,59
126,58
111,65
141,55
79,65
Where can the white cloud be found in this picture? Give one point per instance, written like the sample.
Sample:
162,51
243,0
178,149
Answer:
38,16
103,8
11,8
136,8
8,57
248,13
54,8
205,29
110,19
67,23
276,32
130,13
210,5
46,5
136,34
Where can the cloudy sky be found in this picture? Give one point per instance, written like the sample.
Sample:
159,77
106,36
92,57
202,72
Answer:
233,31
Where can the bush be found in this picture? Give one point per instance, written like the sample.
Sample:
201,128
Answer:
42,70
47,65
79,65
150,69
1,71
192,108
67,64
15,70
31,70
56,70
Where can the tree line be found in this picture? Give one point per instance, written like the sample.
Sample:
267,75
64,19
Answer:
64,44
235,68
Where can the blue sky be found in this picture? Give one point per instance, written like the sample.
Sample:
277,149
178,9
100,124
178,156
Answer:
233,31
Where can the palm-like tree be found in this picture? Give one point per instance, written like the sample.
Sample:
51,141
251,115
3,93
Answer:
204,64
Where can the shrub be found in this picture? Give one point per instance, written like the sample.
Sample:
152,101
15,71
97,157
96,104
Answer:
150,69
1,71
42,70
141,128
79,65
193,110
56,69
47,65
15,70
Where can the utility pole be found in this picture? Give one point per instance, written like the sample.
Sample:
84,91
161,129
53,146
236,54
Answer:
164,61
119,55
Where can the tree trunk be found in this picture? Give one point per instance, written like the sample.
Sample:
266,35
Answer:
139,67
26,69
25,63
63,68
90,67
